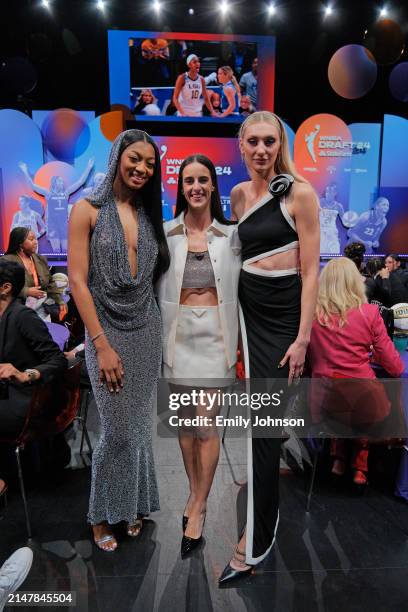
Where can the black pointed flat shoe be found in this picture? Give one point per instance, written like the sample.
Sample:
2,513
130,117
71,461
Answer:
184,522
231,575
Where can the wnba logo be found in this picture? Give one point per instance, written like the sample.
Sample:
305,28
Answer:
310,139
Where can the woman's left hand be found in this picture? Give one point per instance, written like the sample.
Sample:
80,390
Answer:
63,311
9,372
295,354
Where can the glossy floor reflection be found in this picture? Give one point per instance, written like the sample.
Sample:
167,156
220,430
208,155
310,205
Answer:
350,553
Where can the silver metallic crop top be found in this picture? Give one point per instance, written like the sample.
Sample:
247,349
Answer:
198,272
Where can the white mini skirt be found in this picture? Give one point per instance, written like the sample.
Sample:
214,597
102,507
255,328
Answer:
199,350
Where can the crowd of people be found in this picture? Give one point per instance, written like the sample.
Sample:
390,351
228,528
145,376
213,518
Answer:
386,281
163,300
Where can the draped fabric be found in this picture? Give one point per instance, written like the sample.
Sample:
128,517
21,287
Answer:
125,302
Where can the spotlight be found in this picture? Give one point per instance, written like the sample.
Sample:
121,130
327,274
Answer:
157,6
191,11
45,3
224,7
383,12
271,10
328,11
100,5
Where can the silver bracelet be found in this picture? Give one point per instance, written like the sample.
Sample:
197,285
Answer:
97,336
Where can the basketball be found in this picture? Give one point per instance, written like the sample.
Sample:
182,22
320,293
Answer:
350,218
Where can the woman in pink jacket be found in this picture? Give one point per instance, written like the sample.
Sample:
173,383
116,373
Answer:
347,335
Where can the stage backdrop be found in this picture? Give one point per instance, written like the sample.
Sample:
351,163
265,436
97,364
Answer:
61,155
49,162
342,164
46,164
394,183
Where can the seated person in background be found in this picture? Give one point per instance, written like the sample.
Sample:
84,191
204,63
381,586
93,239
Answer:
146,104
249,83
38,283
393,263
345,332
27,351
377,281
398,279
245,107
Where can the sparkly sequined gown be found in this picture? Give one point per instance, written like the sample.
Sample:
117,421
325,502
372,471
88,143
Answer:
123,475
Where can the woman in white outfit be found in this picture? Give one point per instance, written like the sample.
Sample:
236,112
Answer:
198,298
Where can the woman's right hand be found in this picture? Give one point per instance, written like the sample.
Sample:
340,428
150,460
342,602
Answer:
110,367
36,292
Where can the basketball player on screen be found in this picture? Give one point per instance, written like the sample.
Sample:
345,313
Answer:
371,225
188,90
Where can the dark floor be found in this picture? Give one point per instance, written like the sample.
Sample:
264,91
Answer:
348,554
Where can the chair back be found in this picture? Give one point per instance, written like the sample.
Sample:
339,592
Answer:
53,407
369,407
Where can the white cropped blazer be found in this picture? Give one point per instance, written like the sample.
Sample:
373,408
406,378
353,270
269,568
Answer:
224,249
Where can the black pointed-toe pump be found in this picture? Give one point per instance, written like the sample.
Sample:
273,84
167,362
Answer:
230,574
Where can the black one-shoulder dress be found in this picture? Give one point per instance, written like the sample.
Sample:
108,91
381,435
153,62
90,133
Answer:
270,317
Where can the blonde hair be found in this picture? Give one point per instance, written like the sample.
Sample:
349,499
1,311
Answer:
284,163
230,73
341,288
147,91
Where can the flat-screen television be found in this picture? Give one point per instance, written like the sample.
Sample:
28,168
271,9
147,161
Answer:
168,76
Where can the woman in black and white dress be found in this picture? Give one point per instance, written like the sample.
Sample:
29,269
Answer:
277,292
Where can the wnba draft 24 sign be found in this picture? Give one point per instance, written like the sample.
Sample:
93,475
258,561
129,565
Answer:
224,154
323,148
